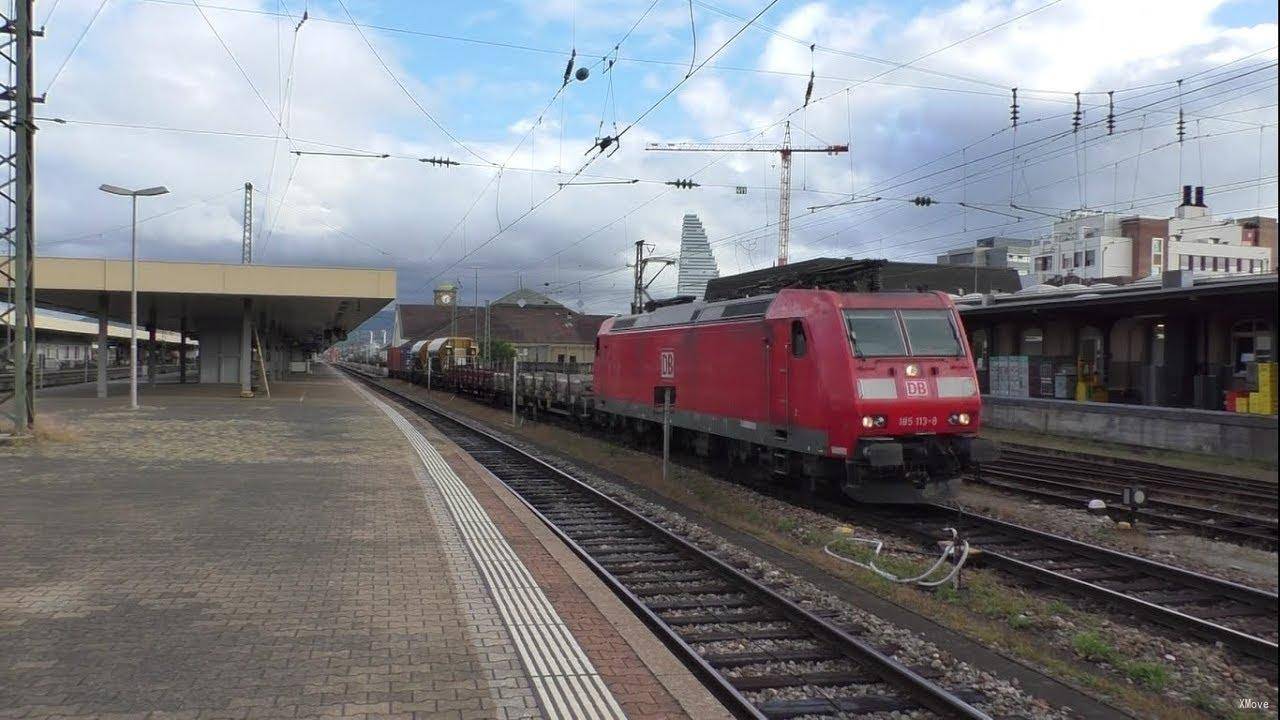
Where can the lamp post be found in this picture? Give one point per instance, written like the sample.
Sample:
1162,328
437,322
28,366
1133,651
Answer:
133,195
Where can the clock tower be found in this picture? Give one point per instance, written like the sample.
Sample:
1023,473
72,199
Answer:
446,294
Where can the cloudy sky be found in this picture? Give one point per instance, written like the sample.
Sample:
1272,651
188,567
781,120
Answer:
205,95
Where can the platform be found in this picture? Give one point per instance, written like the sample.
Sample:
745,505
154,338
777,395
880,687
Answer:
207,557
1236,436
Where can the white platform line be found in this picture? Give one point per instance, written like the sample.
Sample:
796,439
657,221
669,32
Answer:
566,682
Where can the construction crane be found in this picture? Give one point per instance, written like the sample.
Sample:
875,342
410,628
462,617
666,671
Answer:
785,150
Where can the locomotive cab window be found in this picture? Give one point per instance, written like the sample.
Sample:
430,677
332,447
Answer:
931,333
799,344
874,333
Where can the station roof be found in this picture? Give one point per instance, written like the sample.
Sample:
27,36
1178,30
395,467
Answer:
1102,298
50,324
312,306
861,275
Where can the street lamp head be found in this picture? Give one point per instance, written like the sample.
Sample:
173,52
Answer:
117,190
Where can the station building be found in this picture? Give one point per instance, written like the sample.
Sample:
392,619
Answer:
1141,363
1091,246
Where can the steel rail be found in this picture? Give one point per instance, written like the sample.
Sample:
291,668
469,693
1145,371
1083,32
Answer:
1127,470
1264,602
1201,521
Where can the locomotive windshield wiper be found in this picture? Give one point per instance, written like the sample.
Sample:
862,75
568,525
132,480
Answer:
853,339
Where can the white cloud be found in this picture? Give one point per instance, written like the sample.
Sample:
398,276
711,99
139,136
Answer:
160,65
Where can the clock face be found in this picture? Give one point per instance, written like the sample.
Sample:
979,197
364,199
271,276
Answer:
446,299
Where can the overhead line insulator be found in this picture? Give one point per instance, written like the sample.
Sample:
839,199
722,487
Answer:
438,161
683,184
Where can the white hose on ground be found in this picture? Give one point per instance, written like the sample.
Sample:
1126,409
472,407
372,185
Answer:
949,550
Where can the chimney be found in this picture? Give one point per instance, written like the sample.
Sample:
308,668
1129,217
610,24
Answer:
1186,194
1199,196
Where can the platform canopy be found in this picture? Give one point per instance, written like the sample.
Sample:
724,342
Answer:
308,307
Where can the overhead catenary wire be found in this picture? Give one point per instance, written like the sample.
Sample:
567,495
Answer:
252,86
603,145
75,46
405,89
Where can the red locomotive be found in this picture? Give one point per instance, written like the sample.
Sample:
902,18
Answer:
875,391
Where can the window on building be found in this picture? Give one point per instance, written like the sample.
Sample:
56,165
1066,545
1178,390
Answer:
1250,265
1215,264
1239,264
1089,258
560,358
1191,259
1044,263
573,359
1250,341
1066,261
1032,342
1075,259
1201,262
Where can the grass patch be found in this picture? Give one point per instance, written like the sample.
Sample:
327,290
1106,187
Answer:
1151,675
1148,674
1090,646
1021,622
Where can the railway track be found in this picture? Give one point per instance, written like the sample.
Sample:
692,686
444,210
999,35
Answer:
1210,505
1240,617
761,654
1214,610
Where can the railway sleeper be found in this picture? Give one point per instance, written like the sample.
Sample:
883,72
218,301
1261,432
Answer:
786,633
676,589
856,705
742,659
733,615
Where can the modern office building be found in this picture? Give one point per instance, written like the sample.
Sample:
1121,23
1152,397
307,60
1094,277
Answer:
697,263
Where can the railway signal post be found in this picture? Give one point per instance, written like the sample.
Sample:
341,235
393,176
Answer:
666,431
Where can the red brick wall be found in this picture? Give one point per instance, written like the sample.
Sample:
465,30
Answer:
1266,235
1140,230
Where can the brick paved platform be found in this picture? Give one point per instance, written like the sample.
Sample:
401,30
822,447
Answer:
211,557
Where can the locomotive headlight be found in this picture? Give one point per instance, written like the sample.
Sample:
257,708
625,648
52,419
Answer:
912,370
960,418
873,421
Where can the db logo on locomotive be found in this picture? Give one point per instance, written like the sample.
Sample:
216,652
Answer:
917,388
667,364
